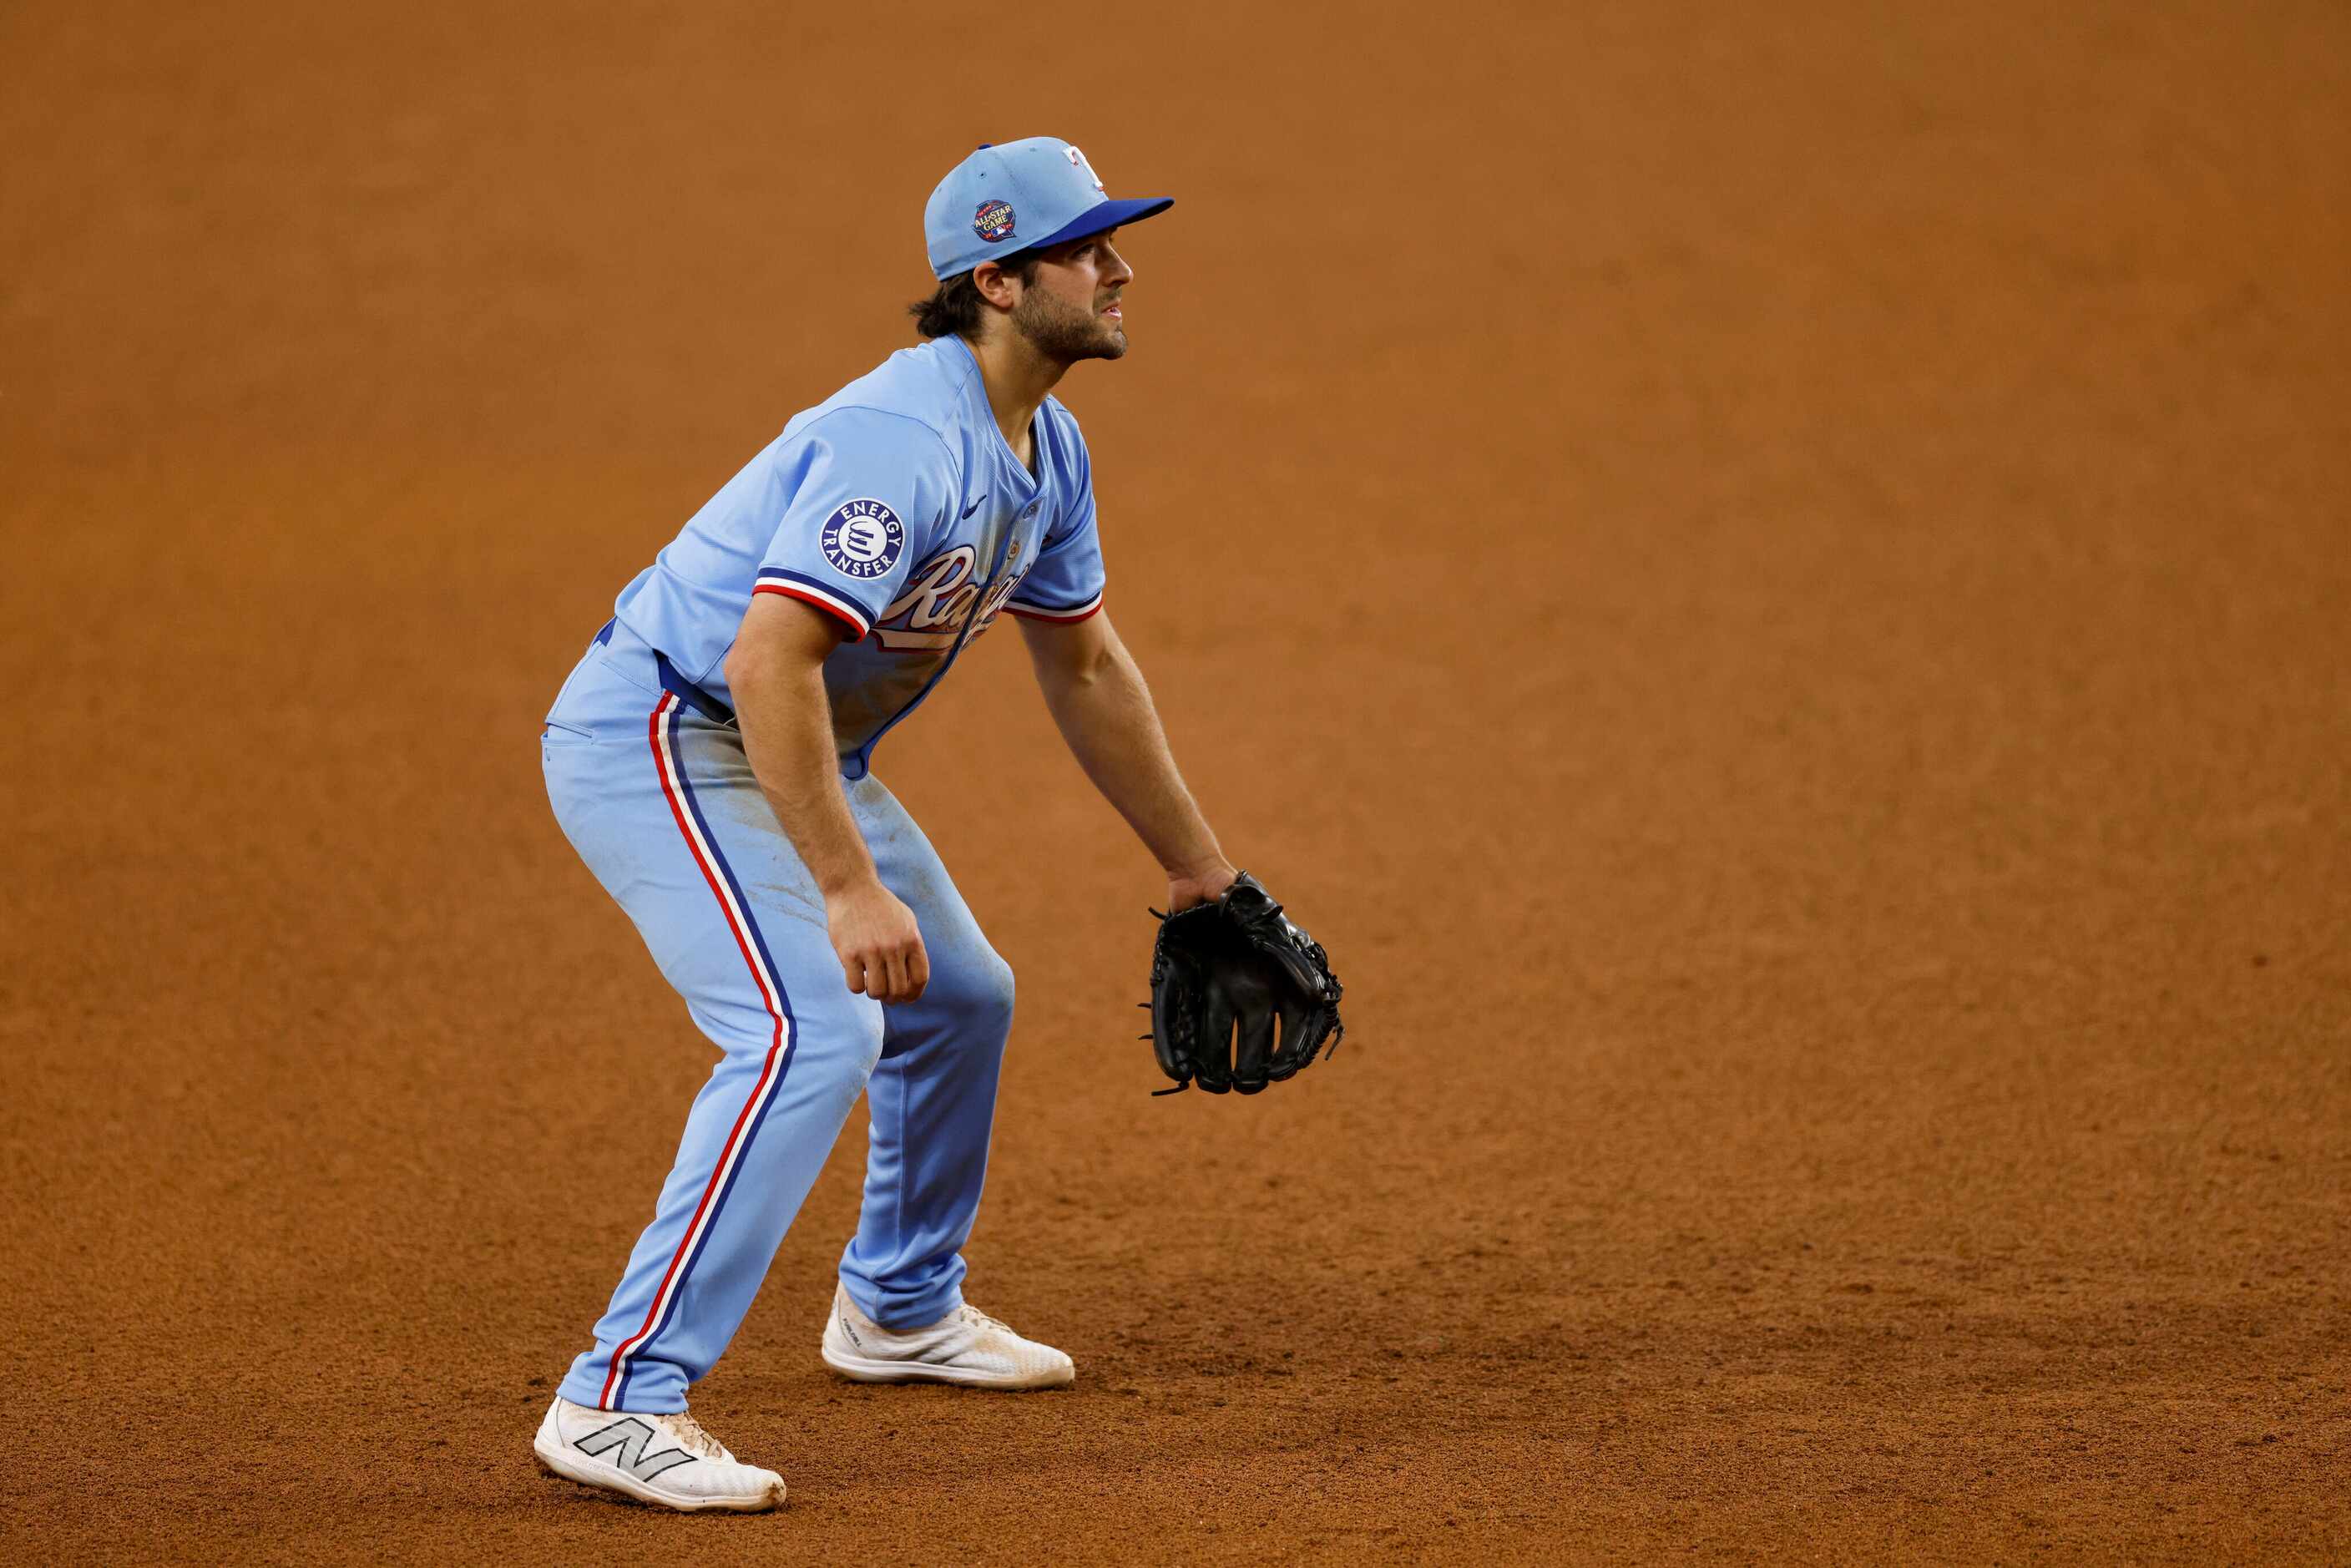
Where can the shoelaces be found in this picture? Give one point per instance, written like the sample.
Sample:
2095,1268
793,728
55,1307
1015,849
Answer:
980,1320
689,1432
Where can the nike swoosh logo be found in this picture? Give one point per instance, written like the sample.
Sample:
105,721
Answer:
974,506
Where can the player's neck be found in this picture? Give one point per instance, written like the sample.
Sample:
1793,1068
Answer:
1016,378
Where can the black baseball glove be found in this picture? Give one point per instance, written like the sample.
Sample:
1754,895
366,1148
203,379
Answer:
1232,969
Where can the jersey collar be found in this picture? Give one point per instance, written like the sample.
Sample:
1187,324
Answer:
984,412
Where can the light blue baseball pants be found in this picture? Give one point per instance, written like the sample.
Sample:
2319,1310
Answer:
660,801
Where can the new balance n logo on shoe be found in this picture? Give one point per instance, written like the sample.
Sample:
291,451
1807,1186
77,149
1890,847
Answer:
632,1436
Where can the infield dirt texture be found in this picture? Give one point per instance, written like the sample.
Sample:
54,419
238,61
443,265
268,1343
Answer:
1774,582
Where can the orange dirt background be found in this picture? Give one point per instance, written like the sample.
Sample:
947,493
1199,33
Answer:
1773,581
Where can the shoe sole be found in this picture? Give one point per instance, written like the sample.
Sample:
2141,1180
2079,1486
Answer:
629,1488
857,1369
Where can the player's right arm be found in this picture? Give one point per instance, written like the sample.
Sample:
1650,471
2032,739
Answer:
776,672
856,494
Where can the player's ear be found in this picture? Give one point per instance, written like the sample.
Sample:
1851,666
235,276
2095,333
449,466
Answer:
998,286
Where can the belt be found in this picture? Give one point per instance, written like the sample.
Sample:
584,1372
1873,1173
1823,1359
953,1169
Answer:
686,691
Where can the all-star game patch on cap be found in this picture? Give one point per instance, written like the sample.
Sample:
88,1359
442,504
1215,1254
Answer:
1021,195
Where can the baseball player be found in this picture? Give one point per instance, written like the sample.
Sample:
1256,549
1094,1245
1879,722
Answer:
711,758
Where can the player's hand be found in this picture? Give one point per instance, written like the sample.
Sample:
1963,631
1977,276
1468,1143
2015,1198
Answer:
879,945
1198,887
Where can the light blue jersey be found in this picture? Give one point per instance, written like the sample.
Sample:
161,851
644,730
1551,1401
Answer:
896,506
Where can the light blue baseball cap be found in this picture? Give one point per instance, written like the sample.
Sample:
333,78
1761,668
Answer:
1021,195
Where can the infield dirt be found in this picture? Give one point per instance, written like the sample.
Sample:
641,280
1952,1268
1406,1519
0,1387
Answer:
1772,582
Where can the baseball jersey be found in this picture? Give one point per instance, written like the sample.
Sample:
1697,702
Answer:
897,507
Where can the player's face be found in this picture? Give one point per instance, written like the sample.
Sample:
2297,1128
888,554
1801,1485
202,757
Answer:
1073,310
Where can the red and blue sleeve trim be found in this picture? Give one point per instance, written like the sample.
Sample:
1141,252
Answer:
809,590
1065,613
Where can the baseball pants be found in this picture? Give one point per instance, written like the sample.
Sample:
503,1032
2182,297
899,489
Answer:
656,795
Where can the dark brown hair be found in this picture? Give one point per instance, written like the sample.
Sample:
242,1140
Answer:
955,306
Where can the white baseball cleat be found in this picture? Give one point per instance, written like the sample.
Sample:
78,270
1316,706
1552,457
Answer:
966,1347
666,1460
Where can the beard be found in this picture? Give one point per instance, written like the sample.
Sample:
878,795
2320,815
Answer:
1062,331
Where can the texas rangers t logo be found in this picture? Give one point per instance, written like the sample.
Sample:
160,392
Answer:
862,539
1078,162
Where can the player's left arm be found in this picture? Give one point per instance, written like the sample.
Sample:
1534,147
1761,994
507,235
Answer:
1098,698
